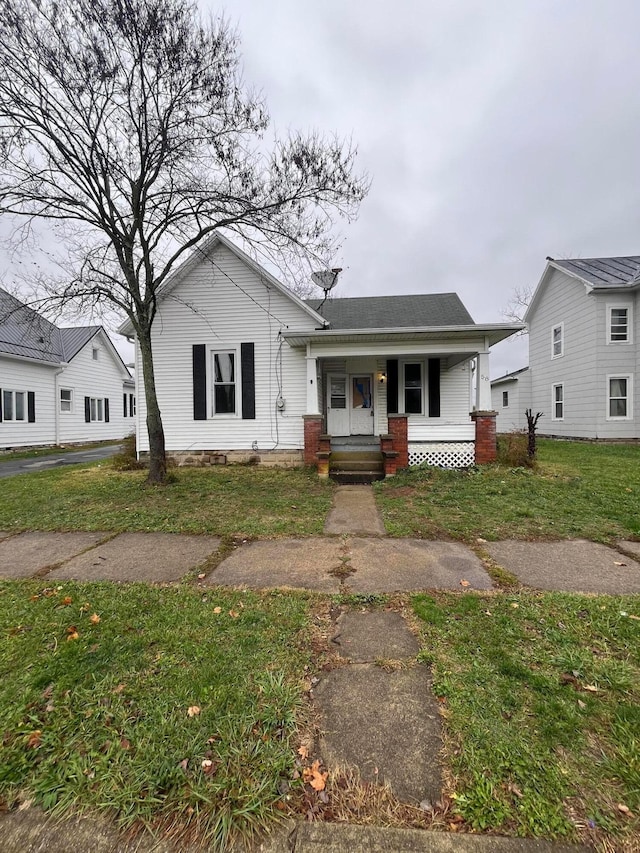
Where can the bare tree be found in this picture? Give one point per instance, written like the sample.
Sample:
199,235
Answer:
532,424
517,306
129,120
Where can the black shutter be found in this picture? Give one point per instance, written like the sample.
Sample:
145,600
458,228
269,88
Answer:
0,405
124,405
106,410
87,410
199,382
392,386
247,360
31,407
434,387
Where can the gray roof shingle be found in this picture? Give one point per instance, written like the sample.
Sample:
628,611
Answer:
604,272
394,312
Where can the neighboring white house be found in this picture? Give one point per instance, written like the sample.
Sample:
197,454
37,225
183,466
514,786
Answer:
584,353
243,367
510,397
59,385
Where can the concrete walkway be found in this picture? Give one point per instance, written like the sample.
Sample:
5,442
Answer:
354,511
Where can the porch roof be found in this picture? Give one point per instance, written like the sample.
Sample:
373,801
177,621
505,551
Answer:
467,336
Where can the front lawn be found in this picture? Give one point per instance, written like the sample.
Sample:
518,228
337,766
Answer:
233,500
168,706
579,489
541,707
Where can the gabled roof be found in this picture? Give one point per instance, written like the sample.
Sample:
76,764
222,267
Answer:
75,337
603,272
397,312
509,377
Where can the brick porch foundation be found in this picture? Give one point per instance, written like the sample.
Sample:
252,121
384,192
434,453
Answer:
486,449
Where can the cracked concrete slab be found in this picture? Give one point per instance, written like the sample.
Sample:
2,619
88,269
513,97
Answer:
626,545
354,511
374,635
283,564
27,554
386,724
140,557
574,565
394,565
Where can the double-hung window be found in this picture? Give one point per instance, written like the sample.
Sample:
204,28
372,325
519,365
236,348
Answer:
557,402
66,400
96,409
619,325
14,405
619,397
557,341
224,383
505,399
413,388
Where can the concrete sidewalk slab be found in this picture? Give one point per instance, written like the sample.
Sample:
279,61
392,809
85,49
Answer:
394,565
574,565
4,534
384,723
27,554
282,563
140,557
354,511
374,635
625,544
350,838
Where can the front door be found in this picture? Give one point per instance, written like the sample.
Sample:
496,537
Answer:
361,409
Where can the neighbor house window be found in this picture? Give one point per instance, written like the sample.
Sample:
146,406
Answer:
224,383
14,405
412,378
557,341
132,404
95,353
558,402
96,408
619,325
505,399
66,400
619,404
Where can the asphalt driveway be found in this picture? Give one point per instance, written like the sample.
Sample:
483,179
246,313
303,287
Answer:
11,467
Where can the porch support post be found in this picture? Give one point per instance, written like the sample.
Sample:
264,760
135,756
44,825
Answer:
486,449
313,403
483,383
398,430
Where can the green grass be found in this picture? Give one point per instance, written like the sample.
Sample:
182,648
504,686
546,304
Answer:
234,500
578,490
101,722
541,698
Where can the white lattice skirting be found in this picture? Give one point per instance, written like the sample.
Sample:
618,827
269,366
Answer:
443,454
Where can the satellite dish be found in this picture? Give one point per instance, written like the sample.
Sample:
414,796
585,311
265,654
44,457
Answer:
326,279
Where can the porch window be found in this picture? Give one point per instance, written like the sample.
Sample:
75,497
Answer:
413,388
224,383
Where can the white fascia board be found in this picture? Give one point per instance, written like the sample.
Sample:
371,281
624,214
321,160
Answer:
494,332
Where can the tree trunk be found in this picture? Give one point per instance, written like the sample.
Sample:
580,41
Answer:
157,456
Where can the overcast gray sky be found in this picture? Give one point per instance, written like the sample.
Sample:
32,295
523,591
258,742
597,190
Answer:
495,133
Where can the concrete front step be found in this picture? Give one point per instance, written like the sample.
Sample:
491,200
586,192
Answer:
356,465
348,455
352,478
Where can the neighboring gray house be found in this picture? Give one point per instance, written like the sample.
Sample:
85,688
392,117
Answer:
584,348
59,385
510,396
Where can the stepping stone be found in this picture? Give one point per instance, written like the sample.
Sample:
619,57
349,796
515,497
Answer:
354,511
375,635
140,557
386,724
27,554
282,564
391,565
571,565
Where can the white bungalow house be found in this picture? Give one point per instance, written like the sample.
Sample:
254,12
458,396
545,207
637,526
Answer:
59,385
584,352
510,397
245,369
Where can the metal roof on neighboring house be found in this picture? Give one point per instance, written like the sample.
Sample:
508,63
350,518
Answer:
26,333
603,272
513,376
75,337
397,312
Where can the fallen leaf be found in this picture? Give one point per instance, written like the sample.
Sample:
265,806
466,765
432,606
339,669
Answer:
514,790
481,540
315,777
184,764
124,743
281,806
193,711
72,635
487,612
67,600
515,604
94,619
217,609
201,576
624,809
234,614
119,688
618,563
464,583
303,752
631,616
591,688
35,739
582,705
209,767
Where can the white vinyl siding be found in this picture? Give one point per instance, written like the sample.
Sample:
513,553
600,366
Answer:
17,374
518,390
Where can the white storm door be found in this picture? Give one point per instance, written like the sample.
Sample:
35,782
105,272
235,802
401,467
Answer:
337,405
361,409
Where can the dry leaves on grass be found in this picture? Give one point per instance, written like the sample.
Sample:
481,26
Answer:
315,777
193,711
94,619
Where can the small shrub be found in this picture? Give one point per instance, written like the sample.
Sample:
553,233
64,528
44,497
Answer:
127,460
512,450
